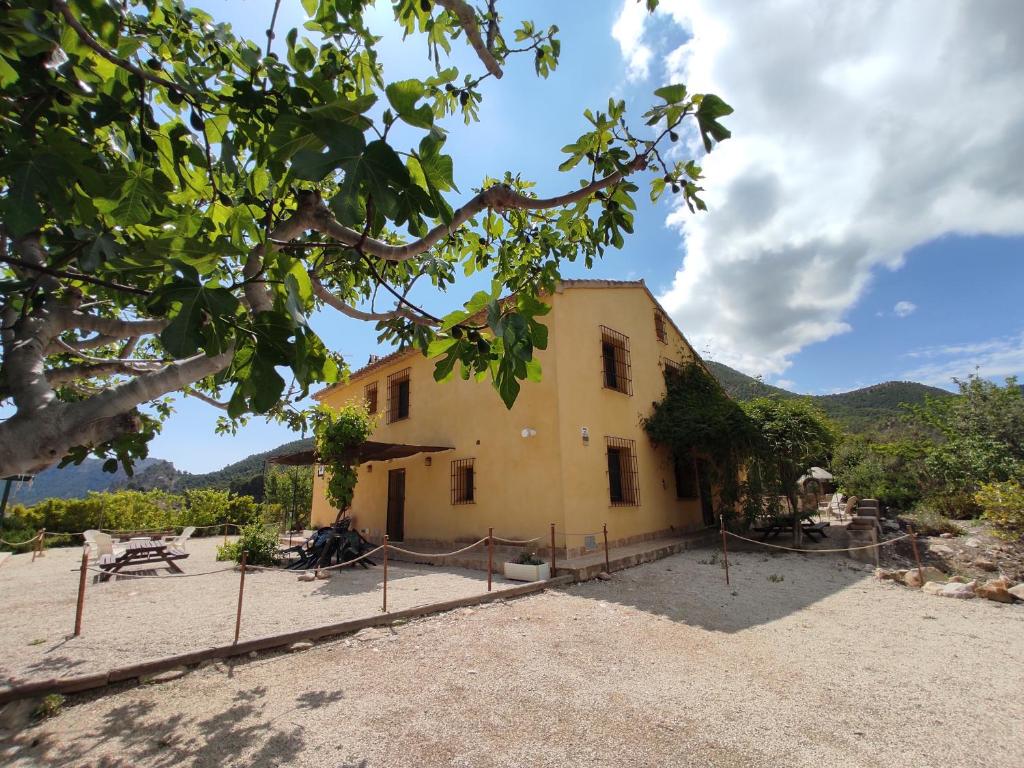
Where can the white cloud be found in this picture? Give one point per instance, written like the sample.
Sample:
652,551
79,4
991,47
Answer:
904,308
991,358
861,130
628,31
785,383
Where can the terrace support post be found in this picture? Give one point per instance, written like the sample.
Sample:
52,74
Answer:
80,606
37,548
607,562
917,556
554,564
384,609
241,591
490,556
225,533
725,549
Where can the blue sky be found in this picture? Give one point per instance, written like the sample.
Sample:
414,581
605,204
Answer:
849,189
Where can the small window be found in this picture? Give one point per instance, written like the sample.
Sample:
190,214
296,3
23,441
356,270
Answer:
659,327
673,370
398,396
463,477
615,361
623,483
686,477
370,396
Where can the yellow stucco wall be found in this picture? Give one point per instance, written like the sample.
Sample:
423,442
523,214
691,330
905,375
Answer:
585,402
517,480
524,484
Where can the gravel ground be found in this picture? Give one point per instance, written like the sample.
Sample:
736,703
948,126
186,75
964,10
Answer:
801,662
129,620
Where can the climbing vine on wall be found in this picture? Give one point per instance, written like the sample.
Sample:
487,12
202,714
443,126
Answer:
697,416
338,435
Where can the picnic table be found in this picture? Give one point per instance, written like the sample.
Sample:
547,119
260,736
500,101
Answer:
784,523
142,552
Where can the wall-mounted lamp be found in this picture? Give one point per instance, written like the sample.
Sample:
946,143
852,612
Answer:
585,434
428,461
369,467
528,432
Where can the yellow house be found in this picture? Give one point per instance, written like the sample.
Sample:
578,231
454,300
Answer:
571,452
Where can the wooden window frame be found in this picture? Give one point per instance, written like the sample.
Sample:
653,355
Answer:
617,377
659,326
463,481
394,383
627,494
370,397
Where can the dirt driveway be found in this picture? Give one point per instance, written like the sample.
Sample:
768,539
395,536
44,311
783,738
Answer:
802,662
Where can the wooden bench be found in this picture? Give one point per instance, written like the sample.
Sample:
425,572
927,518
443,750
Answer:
782,525
141,552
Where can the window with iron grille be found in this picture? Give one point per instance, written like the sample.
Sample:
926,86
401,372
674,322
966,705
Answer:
615,361
659,327
370,396
672,369
623,481
686,477
398,396
463,489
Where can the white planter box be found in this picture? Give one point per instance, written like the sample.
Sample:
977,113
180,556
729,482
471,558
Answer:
520,572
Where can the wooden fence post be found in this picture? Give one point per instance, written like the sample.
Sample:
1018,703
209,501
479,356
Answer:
241,590
554,566
917,557
37,545
607,563
490,556
385,607
81,591
725,550
225,533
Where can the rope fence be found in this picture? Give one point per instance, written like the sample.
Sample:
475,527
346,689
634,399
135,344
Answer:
815,551
383,549
244,567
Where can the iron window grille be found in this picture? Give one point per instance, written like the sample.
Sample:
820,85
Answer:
685,469
659,327
370,396
623,479
615,361
672,369
463,482
398,396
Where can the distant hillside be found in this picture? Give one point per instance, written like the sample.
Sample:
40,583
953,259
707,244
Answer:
874,408
72,482
245,476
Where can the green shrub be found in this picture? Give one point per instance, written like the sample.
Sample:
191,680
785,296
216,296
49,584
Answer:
1002,504
257,540
929,522
958,505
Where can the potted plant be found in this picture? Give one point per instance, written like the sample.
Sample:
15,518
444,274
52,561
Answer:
527,567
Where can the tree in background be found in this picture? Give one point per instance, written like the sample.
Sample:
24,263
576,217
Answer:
175,201
290,491
793,436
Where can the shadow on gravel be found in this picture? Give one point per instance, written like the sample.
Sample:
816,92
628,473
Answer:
142,735
765,586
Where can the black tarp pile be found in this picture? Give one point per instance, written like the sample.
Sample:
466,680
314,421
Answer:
330,545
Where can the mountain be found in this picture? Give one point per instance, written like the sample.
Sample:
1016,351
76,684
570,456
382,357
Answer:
245,476
874,408
73,481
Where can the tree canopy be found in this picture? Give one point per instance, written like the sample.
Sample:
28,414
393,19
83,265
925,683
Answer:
176,200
